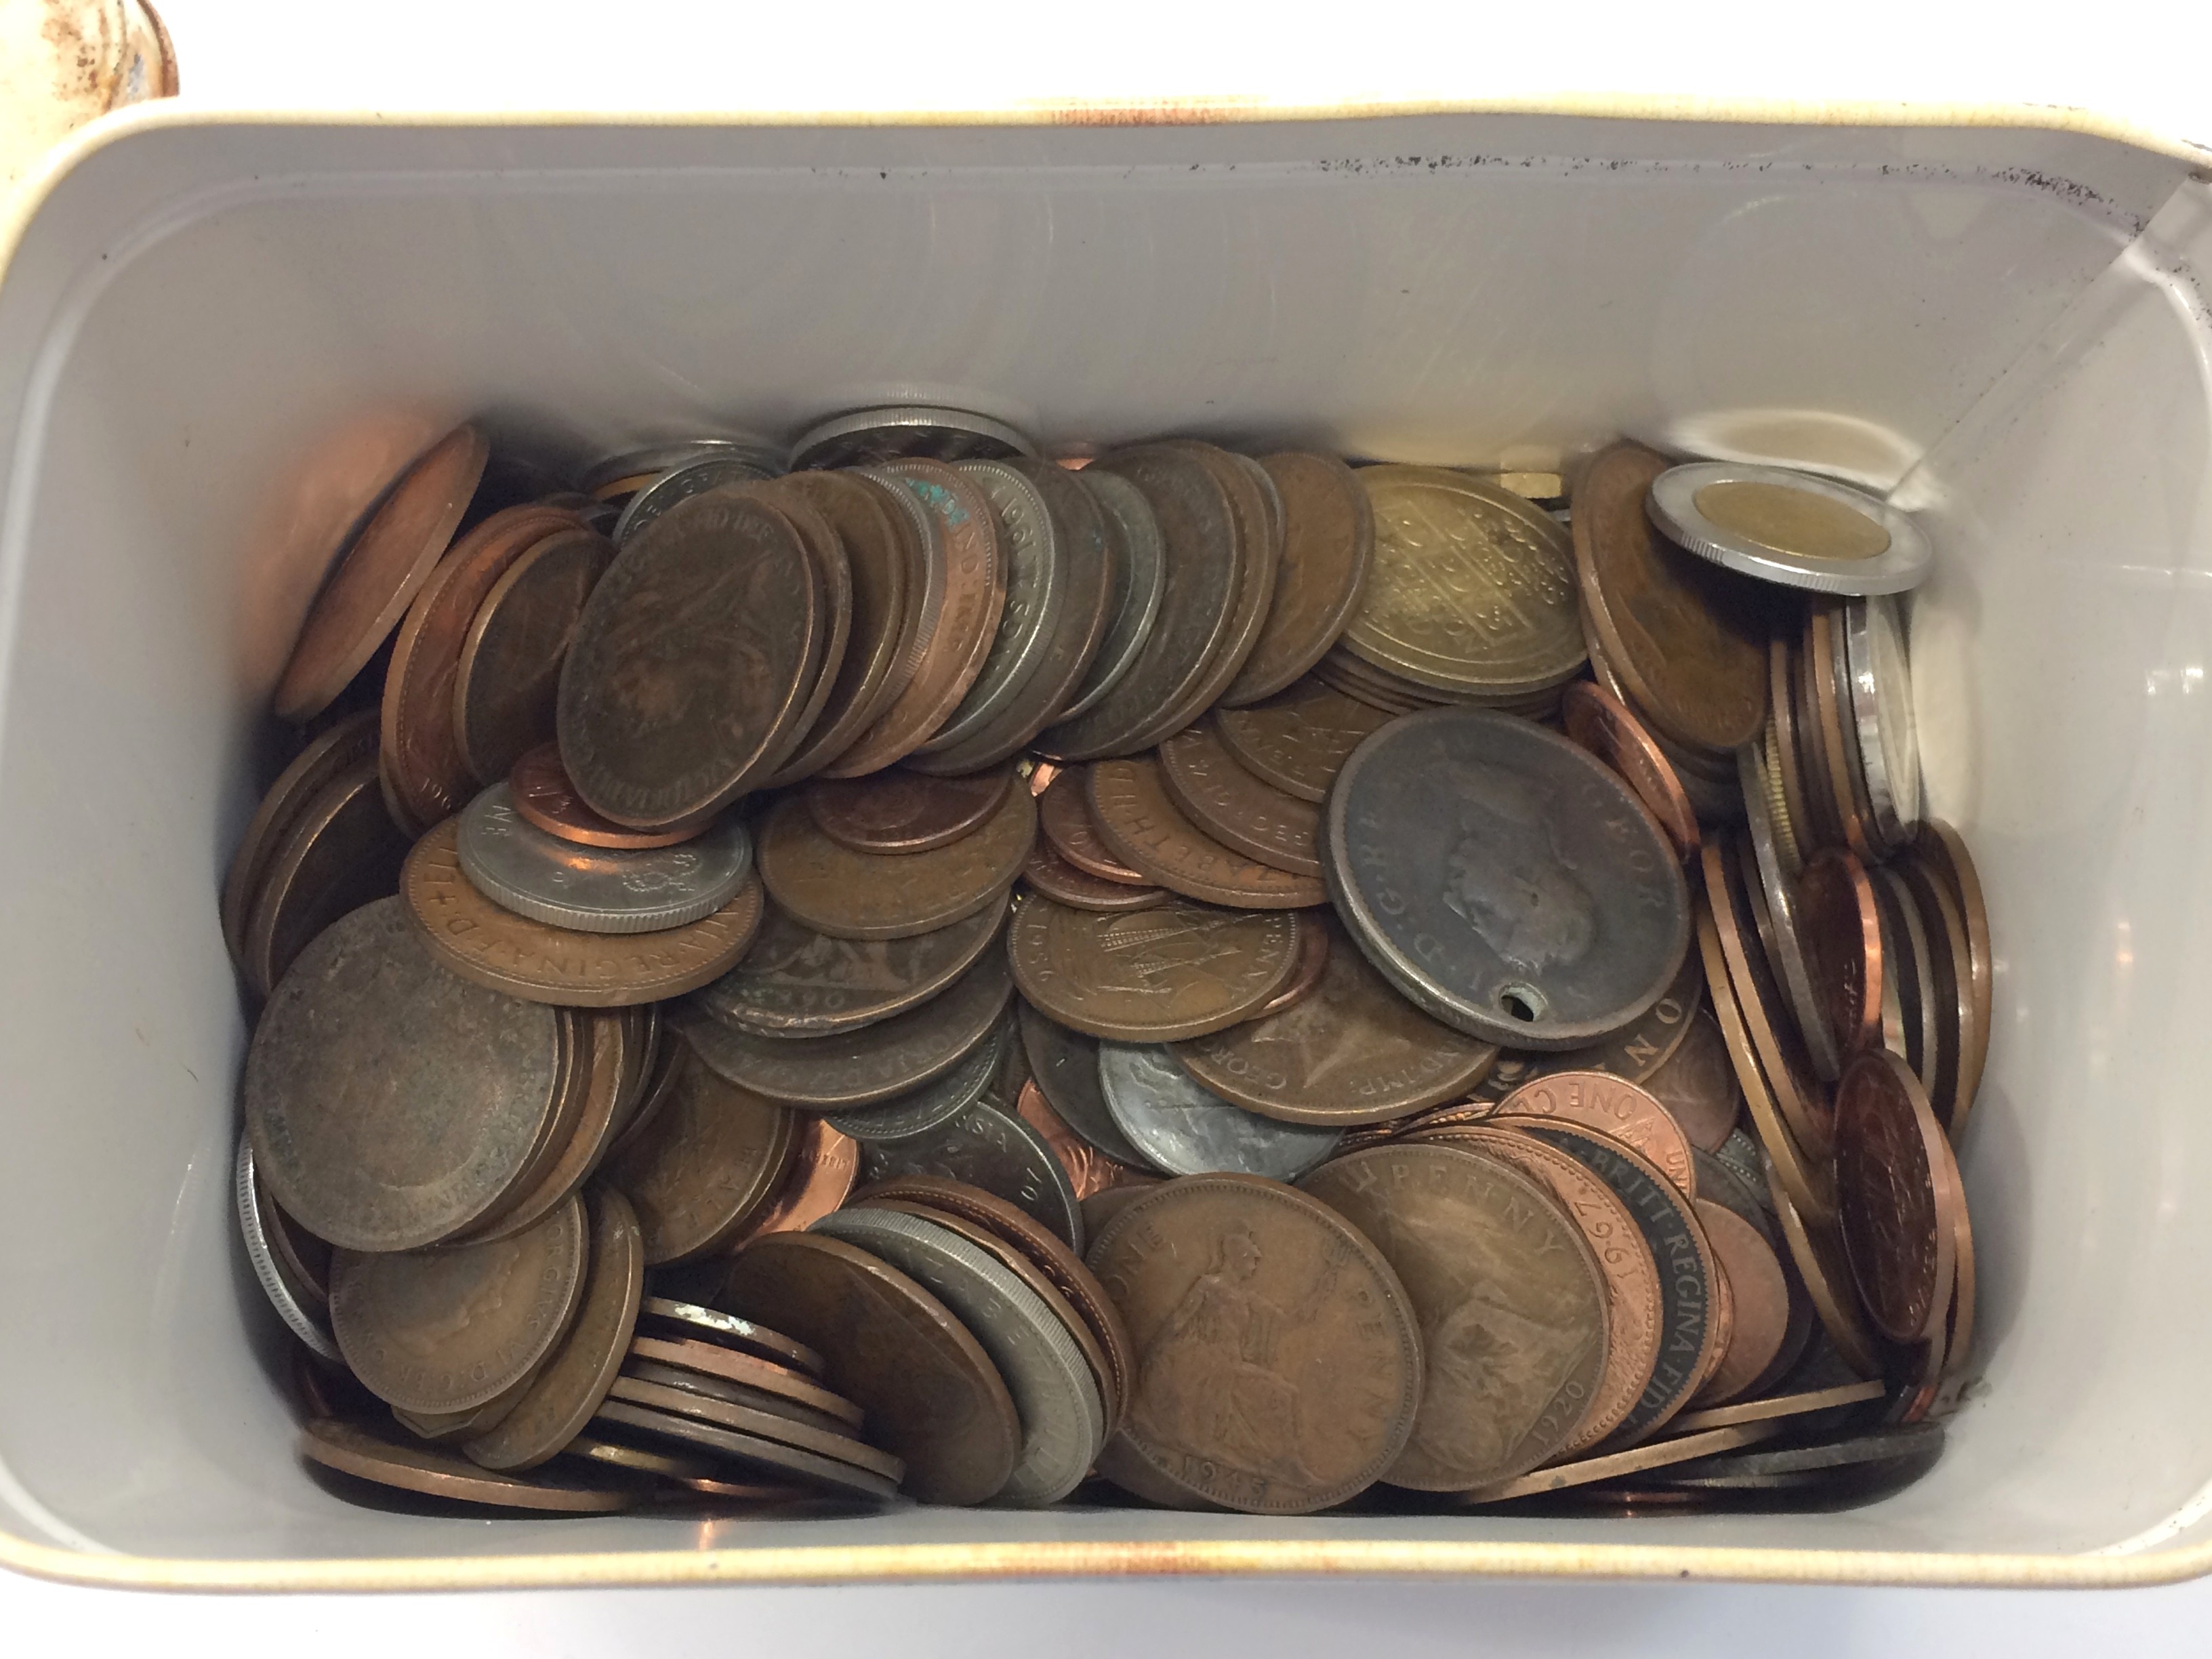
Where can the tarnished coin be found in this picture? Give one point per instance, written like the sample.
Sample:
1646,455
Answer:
709,1159
1841,929
626,472
824,1166
931,1393
1143,827
601,1043
691,1322
1941,850
1184,1128
1908,959
341,851
896,811
1948,995
1796,528
1688,642
587,890
1611,1466
1062,883
796,983
1880,695
293,1303
1329,540
1760,1295
892,430
1697,1084
344,745
660,1389
444,1330
848,894
1064,816
389,1103
1138,571
379,575
859,1068
1612,1106
1491,1265
508,678
1635,1052
1776,1038
542,793
1772,1407
933,1105
1247,1294
1352,1052
692,662
695,476
537,961
568,1388
1065,1064
1773,892
1897,1198
1063,1418
1036,596
1089,1171
1306,977
1816,1249
655,1464
1472,589
995,1151
1159,975
1504,880
1236,807
1603,724
1298,739
1257,518
751,1450
1805,1175
356,1451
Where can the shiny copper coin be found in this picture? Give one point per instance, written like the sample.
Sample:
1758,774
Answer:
341,851
544,796
1064,814
1089,1171
1697,1084
870,896
1942,849
1159,975
824,1166
709,1160
1759,1004
1236,808
1805,1176
1298,739
509,678
1896,1198
1842,931
1603,724
478,940
1761,1297
1142,826
1062,883
345,744
377,577
1328,542
896,810
1611,1466
1613,1107
356,1451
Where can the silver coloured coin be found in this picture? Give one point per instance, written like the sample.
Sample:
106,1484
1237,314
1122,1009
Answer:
930,1106
1742,1154
251,1224
899,431
1140,577
657,458
682,485
598,890
1063,1420
1065,1066
1881,681
1504,880
1796,528
1789,952
1185,1128
795,982
1037,595
995,1150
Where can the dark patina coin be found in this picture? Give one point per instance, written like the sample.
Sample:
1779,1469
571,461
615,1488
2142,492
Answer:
994,1150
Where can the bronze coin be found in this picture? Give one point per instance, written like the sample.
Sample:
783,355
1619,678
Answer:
1298,739
712,1359
929,1392
1941,849
389,1103
1759,1302
509,680
690,665
896,811
1089,1171
1839,739
1062,883
544,796
1235,807
1603,724
870,896
1611,1466
379,575
1313,944
354,1450
1255,517
824,1166
1817,1251
574,1151
1613,1107
826,550
1842,931
342,850
1907,957
750,1451
1064,814
447,1428
444,1330
1687,638
703,1405
1806,1176
968,582
344,745
1353,1052
1787,747
710,1157
994,1150
1634,1312
1635,1052
1329,540
796,983
1774,1035
687,1321
421,742
1800,1404
1489,1260
1142,826
570,1386
537,963
591,1450
1159,975
1950,993
1896,1200
1697,1084
1239,1290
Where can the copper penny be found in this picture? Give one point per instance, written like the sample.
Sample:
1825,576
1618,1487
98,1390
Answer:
692,663
1235,807
1314,947
871,895
711,1359
1089,1171
508,678
444,1330
1842,931
354,1450
1142,826
1806,1176
1328,541
1687,639
1774,1035
1779,1405
662,1390
1603,724
1698,1085
1298,739
1064,814
545,797
710,1159
1353,1052
688,1321
1817,1250
1159,975
1950,991
341,851
896,810
602,1039
532,960
1908,959
824,1165
1242,1292
1611,1466
826,550
1943,850
1613,1107
1062,883
1896,1198
345,744
1634,1052
1761,1297
1257,549
929,1393
379,575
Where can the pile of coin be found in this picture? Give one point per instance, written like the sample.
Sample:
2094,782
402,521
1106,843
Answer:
906,966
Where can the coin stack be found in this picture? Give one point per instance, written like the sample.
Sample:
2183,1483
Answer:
907,966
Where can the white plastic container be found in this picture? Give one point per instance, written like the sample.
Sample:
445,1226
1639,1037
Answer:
213,335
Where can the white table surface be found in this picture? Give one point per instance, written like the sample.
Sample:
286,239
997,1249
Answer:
2148,62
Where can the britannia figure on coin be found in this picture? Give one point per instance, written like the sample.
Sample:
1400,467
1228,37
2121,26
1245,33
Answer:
1506,877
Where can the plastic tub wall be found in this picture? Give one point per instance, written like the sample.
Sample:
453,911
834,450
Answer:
211,335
